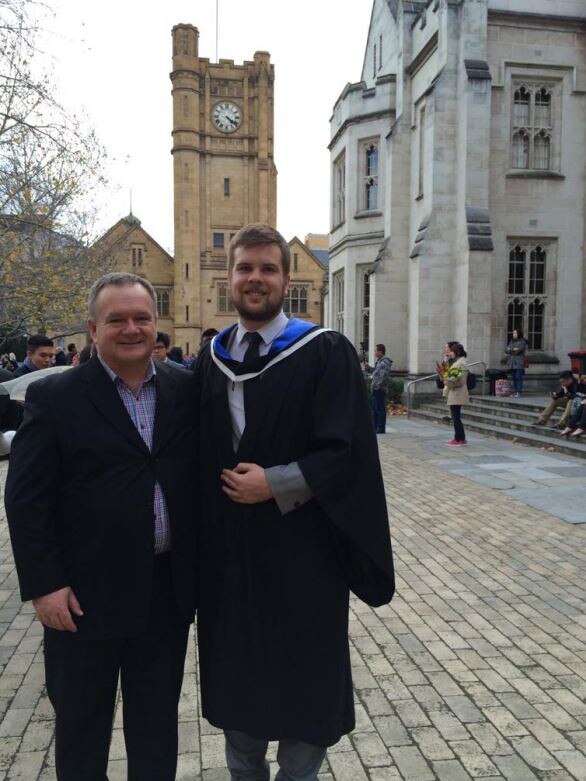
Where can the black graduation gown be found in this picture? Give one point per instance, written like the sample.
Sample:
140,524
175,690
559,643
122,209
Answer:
274,589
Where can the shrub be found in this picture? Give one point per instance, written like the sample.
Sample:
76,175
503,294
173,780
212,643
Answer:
395,390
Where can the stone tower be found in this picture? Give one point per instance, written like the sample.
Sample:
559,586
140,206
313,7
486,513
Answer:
223,172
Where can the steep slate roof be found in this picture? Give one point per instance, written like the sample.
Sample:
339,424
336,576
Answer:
131,222
323,255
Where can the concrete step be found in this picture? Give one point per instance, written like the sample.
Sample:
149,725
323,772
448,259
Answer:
499,430
526,405
507,416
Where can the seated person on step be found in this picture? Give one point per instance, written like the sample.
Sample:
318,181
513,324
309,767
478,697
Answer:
577,420
561,398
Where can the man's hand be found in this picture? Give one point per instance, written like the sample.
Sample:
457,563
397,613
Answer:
54,610
246,484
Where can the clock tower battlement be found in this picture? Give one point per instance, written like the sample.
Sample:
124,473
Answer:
223,171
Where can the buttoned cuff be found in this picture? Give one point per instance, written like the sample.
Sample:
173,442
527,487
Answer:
288,486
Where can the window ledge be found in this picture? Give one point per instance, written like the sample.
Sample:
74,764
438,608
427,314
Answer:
536,357
518,173
368,213
338,225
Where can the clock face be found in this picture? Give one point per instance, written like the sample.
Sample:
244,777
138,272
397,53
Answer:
226,117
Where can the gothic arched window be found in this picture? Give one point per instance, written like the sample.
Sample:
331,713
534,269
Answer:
528,292
532,128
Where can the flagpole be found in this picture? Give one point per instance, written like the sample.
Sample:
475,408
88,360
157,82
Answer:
217,25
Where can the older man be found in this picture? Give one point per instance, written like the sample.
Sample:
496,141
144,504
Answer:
101,525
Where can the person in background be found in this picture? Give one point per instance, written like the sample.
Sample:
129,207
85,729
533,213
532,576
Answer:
456,391
5,372
577,419
59,359
380,376
160,350
206,337
71,352
83,355
577,422
516,350
175,354
39,355
440,368
560,398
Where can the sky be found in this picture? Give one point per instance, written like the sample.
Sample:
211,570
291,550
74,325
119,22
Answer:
112,60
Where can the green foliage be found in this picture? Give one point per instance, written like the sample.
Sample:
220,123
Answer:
394,388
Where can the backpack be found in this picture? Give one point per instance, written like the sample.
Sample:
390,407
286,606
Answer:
470,381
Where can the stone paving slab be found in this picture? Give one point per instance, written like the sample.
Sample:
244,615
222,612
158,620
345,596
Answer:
552,482
477,670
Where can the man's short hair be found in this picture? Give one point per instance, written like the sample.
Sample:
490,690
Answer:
71,347
176,354
38,340
209,333
117,279
255,234
163,338
566,375
381,348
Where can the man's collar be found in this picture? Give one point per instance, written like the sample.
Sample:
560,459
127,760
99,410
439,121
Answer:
268,332
29,364
149,374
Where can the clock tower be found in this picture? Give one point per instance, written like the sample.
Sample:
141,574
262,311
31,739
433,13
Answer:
223,171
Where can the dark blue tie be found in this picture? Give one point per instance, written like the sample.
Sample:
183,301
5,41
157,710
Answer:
254,340
252,400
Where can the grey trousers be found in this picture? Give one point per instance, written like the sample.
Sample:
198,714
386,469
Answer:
246,758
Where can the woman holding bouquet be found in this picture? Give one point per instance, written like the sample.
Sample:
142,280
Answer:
456,390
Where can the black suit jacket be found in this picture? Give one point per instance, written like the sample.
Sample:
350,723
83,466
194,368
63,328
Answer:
79,494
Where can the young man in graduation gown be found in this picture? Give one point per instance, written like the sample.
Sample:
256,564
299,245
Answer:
294,518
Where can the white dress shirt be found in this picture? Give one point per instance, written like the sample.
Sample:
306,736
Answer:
288,486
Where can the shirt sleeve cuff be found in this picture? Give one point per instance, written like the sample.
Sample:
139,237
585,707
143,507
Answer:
288,486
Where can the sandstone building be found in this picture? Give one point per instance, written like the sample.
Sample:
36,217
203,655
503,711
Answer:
308,272
458,182
224,174
126,246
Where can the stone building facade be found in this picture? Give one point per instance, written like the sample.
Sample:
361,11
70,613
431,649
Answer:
224,174
308,273
458,182
126,246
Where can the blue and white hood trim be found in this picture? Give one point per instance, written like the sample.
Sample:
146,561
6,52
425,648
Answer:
295,336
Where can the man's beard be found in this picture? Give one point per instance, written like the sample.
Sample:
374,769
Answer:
263,314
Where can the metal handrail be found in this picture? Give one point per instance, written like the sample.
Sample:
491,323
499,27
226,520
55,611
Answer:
414,382
483,364
434,376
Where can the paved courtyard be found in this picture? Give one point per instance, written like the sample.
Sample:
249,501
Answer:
476,670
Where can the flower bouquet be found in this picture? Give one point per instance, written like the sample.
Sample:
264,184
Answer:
452,373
